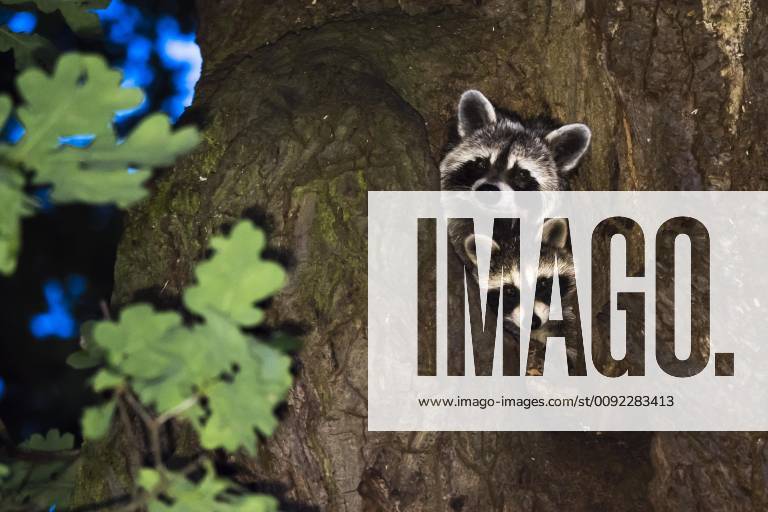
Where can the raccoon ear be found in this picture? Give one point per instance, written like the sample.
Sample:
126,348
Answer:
569,143
555,233
475,111
470,246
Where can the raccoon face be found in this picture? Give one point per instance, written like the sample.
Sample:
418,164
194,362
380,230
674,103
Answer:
499,151
504,278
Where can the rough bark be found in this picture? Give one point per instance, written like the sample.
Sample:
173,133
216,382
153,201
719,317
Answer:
306,105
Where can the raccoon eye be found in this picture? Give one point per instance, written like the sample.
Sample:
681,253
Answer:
476,168
492,299
511,297
521,179
544,287
565,284
511,291
467,174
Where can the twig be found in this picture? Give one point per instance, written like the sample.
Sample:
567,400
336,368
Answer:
4,437
104,505
43,456
105,310
177,410
192,465
153,428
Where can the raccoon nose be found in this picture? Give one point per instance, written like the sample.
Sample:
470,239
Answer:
488,187
535,322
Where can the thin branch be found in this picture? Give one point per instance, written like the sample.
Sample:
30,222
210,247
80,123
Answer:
43,456
153,428
4,437
177,410
135,504
191,466
105,310
104,505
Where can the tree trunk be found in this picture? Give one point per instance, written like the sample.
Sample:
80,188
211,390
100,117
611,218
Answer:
305,105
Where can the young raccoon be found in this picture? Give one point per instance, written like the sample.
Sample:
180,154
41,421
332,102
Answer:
504,278
504,282
498,150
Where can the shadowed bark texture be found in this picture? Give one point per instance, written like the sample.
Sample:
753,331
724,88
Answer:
306,105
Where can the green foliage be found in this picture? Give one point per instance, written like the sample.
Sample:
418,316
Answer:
96,420
43,475
15,206
28,49
52,442
223,381
79,98
31,49
176,367
77,13
154,365
211,494
227,287
247,401
5,109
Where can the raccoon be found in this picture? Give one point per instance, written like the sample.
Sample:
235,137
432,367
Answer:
505,280
500,151
497,151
